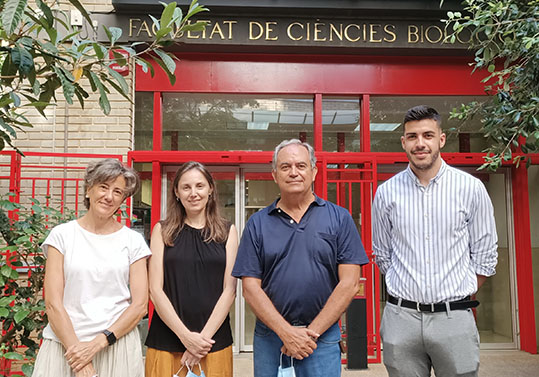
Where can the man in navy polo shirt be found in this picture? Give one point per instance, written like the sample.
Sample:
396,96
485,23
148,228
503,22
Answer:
299,260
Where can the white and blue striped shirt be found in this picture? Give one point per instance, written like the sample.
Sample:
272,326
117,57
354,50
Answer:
431,242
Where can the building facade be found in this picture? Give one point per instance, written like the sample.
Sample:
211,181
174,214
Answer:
339,74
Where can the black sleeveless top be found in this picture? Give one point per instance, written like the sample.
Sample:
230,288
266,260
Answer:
193,282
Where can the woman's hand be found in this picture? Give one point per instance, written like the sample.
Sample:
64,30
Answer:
197,344
190,360
86,371
82,353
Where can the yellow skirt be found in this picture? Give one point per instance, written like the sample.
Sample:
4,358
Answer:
163,363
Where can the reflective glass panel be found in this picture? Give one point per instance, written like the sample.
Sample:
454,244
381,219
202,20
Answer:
142,201
234,122
495,315
141,221
340,119
143,121
260,191
387,114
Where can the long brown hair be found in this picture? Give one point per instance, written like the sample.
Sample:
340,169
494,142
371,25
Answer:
216,228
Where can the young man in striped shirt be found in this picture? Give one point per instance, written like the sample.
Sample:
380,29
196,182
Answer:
434,239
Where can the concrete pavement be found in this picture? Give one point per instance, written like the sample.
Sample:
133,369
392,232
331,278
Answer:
493,364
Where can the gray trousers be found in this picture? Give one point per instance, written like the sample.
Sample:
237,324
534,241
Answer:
414,343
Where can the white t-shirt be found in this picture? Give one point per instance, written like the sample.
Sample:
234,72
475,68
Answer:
96,275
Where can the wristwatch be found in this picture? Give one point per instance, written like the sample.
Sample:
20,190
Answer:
111,338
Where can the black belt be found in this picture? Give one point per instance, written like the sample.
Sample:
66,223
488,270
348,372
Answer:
465,303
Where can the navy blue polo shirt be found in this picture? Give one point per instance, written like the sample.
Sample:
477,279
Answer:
298,262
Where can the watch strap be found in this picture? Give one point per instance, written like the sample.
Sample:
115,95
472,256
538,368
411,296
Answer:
111,338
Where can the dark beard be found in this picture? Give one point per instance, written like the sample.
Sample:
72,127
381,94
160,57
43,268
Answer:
429,165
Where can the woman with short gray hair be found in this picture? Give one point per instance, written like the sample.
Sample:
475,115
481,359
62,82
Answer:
96,284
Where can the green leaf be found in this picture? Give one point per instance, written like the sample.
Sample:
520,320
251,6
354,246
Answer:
70,37
171,77
46,12
35,88
81,9
194,8
13,134
145,65
21,315
16,99
116,33
119,58
67,85
103,99
4,313
6,270
6,100
38,104
155,22
81,95
6,300
168,12
113,33
162,32
13,356
487,53
200,25
169,62
12,14
36,208
120,80
27,369
118,89
100,50
131,51
49,47
491,68
21,57
178,15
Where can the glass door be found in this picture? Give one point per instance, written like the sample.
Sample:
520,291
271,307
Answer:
496,316
257,191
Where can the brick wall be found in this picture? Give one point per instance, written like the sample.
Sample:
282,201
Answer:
73,130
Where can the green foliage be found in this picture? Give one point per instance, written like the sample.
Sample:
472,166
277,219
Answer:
505,38
22,308
41,55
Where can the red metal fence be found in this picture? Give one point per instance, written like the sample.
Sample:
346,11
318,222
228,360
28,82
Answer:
55,180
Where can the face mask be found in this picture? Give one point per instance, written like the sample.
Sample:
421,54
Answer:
190,373
287,371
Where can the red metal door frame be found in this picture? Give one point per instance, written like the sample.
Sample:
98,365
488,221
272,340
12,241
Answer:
334,75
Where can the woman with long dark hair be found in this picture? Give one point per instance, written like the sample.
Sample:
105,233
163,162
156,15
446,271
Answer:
191,286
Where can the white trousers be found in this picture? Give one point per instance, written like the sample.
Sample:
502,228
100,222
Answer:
414,343
122,359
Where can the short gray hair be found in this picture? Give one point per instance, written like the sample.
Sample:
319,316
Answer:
105,170
286,143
